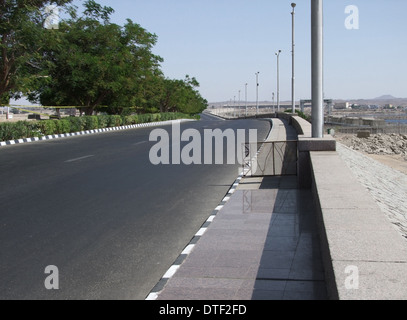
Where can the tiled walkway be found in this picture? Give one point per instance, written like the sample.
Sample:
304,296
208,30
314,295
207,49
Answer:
262,245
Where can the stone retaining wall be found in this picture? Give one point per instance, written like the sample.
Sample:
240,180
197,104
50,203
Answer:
364,257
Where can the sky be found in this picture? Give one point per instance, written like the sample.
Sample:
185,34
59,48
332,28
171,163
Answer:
223,43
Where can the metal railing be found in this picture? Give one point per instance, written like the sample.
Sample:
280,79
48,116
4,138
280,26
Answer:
277,158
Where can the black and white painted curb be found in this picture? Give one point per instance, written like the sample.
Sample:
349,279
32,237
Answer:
159,287
66,135
190,247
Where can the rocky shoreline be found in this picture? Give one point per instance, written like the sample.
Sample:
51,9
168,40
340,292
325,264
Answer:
377,144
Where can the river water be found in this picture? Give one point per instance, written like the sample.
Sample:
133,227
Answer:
397,121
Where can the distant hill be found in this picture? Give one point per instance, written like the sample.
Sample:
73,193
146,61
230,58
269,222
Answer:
386,97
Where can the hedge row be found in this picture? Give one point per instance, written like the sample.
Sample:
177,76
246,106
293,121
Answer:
27,129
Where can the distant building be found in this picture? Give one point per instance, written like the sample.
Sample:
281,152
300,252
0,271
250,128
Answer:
342,105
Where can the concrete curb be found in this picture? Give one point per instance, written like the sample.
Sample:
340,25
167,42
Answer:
66,135
188,249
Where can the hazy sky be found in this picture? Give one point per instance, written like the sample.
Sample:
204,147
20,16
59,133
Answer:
223,43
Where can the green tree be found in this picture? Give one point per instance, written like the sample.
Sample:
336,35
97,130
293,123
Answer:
182,96
22,36
147,97
94,63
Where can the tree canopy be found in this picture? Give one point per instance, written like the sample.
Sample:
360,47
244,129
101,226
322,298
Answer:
22,37
89,62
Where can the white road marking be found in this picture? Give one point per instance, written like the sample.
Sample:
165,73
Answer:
77,159
211,218
201,232
188,249
138,143
171,271
152,297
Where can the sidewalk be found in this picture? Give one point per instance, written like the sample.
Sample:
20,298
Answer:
261,245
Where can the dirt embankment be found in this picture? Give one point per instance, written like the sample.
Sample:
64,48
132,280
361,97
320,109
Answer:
390,149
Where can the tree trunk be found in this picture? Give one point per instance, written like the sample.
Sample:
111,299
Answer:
89,111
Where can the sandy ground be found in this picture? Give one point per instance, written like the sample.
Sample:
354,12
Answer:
394,161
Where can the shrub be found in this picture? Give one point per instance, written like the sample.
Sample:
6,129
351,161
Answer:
300,114
33,129
77,124
144,118
115,121
103,121
135,119
20,130
91,122
6,131
47,127
62,126
156,117
127,120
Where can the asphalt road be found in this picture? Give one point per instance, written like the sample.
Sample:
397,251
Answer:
96,208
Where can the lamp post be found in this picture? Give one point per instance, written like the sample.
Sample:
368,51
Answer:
234,106
278,80
240,105
317,68
246,97
293,5
274,106
257,93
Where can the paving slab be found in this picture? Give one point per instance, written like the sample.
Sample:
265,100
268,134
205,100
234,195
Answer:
263,245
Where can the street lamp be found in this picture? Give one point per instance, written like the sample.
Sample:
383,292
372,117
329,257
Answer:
274,107
234,106
239,107
246,97
293,5
278,80
317,68
257,93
